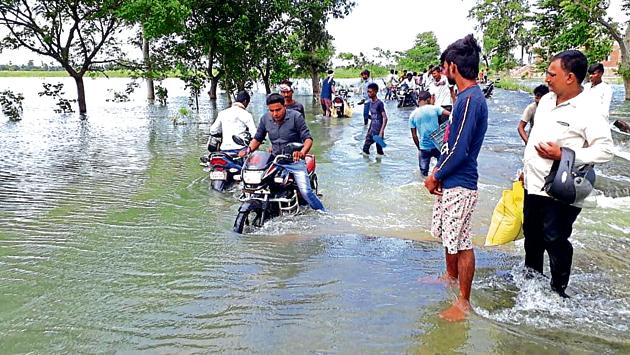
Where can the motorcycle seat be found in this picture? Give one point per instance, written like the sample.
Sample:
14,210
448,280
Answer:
310,163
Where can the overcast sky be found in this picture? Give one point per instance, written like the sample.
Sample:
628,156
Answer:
394,24
390,24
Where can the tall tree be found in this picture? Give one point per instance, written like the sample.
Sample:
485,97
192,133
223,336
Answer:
424,52
588,25
500,22
157,18
207,37
74,33
309,19
561,25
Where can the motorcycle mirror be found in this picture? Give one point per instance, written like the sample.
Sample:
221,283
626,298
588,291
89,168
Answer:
242,139
238,140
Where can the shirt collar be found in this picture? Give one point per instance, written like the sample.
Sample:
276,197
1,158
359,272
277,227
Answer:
238,104
284,119
573,102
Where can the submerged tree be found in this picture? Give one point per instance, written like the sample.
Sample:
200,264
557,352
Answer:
12,104
157,18
315,49
74,33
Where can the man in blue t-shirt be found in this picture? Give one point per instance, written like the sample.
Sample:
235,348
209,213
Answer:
423,121
379,120
454,179
328,89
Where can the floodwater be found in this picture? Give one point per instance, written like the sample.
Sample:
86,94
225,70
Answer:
112,241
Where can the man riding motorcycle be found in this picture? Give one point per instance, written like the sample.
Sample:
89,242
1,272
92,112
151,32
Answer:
407,92
233,121
284,127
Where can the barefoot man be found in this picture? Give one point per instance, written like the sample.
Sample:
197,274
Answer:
454,180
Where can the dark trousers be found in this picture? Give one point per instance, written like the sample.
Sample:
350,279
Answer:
369,141
424,159
366,112
547,225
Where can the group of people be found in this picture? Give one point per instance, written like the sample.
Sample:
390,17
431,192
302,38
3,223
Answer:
566,115
431,80
283,123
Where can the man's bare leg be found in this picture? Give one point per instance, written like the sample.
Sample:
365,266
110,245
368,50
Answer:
452,268
466,271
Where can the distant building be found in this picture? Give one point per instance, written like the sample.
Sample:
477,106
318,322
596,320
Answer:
612,62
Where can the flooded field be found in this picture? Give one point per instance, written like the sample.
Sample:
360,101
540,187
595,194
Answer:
111,240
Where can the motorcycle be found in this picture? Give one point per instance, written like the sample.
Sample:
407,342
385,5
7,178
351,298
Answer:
224,167
340,106
406,97
269,190
488,89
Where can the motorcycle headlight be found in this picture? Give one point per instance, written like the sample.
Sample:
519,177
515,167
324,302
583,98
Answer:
252,176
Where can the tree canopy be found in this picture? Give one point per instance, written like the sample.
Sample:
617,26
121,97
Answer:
76,34
231,42
424,52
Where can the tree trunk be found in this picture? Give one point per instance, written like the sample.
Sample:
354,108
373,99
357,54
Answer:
265,75
214,79
315,79
80,94
214,83
267,84
149,67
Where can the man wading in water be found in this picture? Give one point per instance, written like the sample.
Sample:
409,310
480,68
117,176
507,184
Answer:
454,180
567,118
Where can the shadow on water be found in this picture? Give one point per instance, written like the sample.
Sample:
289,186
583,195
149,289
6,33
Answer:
111,239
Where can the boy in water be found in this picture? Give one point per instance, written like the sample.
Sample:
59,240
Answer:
423,121
378,121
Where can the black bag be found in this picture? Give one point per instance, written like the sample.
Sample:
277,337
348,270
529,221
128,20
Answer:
569,183
214,143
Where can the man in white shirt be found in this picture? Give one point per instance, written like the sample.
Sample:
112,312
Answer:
233,121
390,81
427,78
441,92
597,89
567,118
409,81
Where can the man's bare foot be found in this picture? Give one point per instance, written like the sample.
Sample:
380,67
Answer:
457,312
445,279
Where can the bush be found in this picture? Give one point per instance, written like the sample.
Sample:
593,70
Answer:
12,105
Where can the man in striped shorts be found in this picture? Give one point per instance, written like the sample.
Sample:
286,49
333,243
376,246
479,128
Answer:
454,180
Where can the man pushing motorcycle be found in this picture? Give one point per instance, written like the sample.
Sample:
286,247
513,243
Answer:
285,127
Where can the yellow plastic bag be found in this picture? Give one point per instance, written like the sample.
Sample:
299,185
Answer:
507,219
347,110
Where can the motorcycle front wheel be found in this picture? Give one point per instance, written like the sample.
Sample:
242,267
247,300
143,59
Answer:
247,218
314,183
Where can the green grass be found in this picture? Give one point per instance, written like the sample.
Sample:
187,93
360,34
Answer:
351,73
507,83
